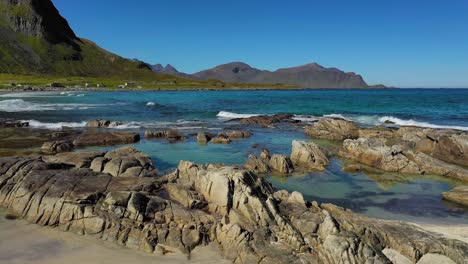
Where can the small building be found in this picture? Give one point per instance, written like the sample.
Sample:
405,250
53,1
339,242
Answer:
129,84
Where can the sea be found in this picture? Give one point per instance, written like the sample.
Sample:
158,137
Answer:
386,196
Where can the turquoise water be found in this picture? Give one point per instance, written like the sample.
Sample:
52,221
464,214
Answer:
385,196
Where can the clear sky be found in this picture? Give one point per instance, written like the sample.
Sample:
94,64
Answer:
405,43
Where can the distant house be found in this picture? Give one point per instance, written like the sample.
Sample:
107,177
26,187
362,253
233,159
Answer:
129,84
100,85
88,85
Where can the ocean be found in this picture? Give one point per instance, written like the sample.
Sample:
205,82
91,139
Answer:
399,197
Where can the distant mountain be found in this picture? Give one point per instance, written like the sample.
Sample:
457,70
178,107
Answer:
36,39
307,76
170,70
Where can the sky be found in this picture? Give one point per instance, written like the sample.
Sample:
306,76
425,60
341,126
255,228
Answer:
403,43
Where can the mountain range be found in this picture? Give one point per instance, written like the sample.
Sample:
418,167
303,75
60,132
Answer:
307,76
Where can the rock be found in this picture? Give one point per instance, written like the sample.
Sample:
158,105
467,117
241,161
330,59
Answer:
221,138
449,148
56,147
281,164
377,132
236,134
13,124
268,120
458,195
258,165
333,129
101,123
171,135
106,139
308,155
125,162
373,152
353,168
203,138
77,159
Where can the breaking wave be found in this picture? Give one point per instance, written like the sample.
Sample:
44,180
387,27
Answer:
58,125
19,105
229,115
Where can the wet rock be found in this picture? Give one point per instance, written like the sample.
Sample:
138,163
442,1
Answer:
171,135
106,139
332,129
221,138
353,168
449,148
269,120
13,124
237,134
57,147
281,164
101,123
258,165
308,155
203,138
458,195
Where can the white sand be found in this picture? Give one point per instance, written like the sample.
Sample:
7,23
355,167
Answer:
23,243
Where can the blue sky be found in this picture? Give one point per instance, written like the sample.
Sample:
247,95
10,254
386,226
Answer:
411,43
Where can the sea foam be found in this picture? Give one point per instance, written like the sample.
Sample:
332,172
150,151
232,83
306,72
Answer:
230,115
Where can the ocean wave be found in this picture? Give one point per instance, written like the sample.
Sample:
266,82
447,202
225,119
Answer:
411,122
58,125
19,105
230,115
150,103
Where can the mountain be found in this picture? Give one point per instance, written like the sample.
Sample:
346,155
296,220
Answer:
36,39
169,70
307,76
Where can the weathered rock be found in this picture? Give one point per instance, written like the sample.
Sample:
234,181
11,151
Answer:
281,164
308,155
449,148
13,124
56,147
258,165
101,123
77,159
377,132
268,120
125,162
237,134
203,138
353,168
374,153
458,195
241,212
106,139
171,135
333,129
221,138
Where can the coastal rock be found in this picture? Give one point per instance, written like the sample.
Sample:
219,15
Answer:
171,135
268,120
333,129
242,213
449,148
221,138
353,168
101,123
281,164
124,162
56,147
76,159
308,155
203,138
106,139
237,134
458,195
13,124
377,132
257,165
373,152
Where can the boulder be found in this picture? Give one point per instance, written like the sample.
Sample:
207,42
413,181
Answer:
333,129
106,139
308,155
221,138
258,165
269,120
281,164
353,168
13,124
101,123
203,138
171,135
56,147
458,195
237,134
76,159
449,148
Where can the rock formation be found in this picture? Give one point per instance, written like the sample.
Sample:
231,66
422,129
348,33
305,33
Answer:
105,139
308,155
458,195
333,129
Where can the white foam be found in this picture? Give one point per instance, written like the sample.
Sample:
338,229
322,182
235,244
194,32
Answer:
58,125
306,118
230,115
411,122
19,105
151,104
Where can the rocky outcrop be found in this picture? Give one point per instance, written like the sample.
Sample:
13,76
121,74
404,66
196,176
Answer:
237,134
458,195
396,158
203,138
101,123
171,135
449,148
13,124
197,205
277,164
332,129
124,162
106,139
221,138
308,155
57,147
269,120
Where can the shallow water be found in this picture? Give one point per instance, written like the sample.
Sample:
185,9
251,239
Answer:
386,196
